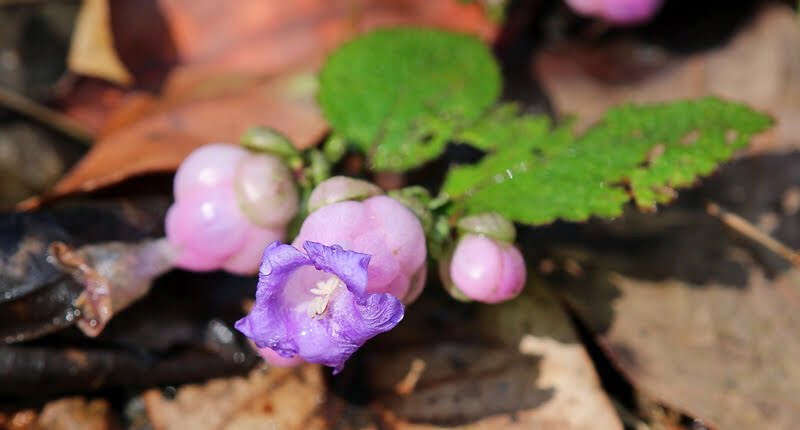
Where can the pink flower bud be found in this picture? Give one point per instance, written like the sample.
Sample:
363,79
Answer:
339,189
266,191
622,12
489,224
207,227
208,167
245,261
229,205
586,7
381,227
630,11
487,270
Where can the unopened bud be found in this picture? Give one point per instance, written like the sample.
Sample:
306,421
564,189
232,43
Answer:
269,140
486,270
339,189
489,224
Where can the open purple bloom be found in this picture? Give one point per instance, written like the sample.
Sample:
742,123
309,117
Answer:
315,304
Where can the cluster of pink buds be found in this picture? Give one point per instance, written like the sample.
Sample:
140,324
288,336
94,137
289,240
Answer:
354,215
230,203
359,257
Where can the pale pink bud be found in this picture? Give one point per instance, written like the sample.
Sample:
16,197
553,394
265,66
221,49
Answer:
487,270
210,166
229,205
620,12
246,259
266,191
207,228
381,227
341,188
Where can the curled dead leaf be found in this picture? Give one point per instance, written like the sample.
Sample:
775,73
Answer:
91,51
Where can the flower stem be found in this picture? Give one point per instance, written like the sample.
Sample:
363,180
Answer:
113,274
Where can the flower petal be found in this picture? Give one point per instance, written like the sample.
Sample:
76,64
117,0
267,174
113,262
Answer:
267,327
354,322
277,264
267,324
349,266
380,313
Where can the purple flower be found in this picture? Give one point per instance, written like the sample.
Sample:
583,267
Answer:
315,304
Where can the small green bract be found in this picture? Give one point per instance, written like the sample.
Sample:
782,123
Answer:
400,95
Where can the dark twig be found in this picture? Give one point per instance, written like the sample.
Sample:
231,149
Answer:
55,120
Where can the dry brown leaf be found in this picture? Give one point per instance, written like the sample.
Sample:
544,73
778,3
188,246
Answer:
517,365
760,67
254,38
724,355
75,413
91,50
259,35
24,419
218,110
91,102
274,398
698,317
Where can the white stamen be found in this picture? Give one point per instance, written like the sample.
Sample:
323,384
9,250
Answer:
323,290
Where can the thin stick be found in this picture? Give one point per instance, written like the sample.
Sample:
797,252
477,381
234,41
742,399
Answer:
44,115
752,232
406,386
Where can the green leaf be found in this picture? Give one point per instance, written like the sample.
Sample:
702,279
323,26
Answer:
654,149
504,125
401,94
